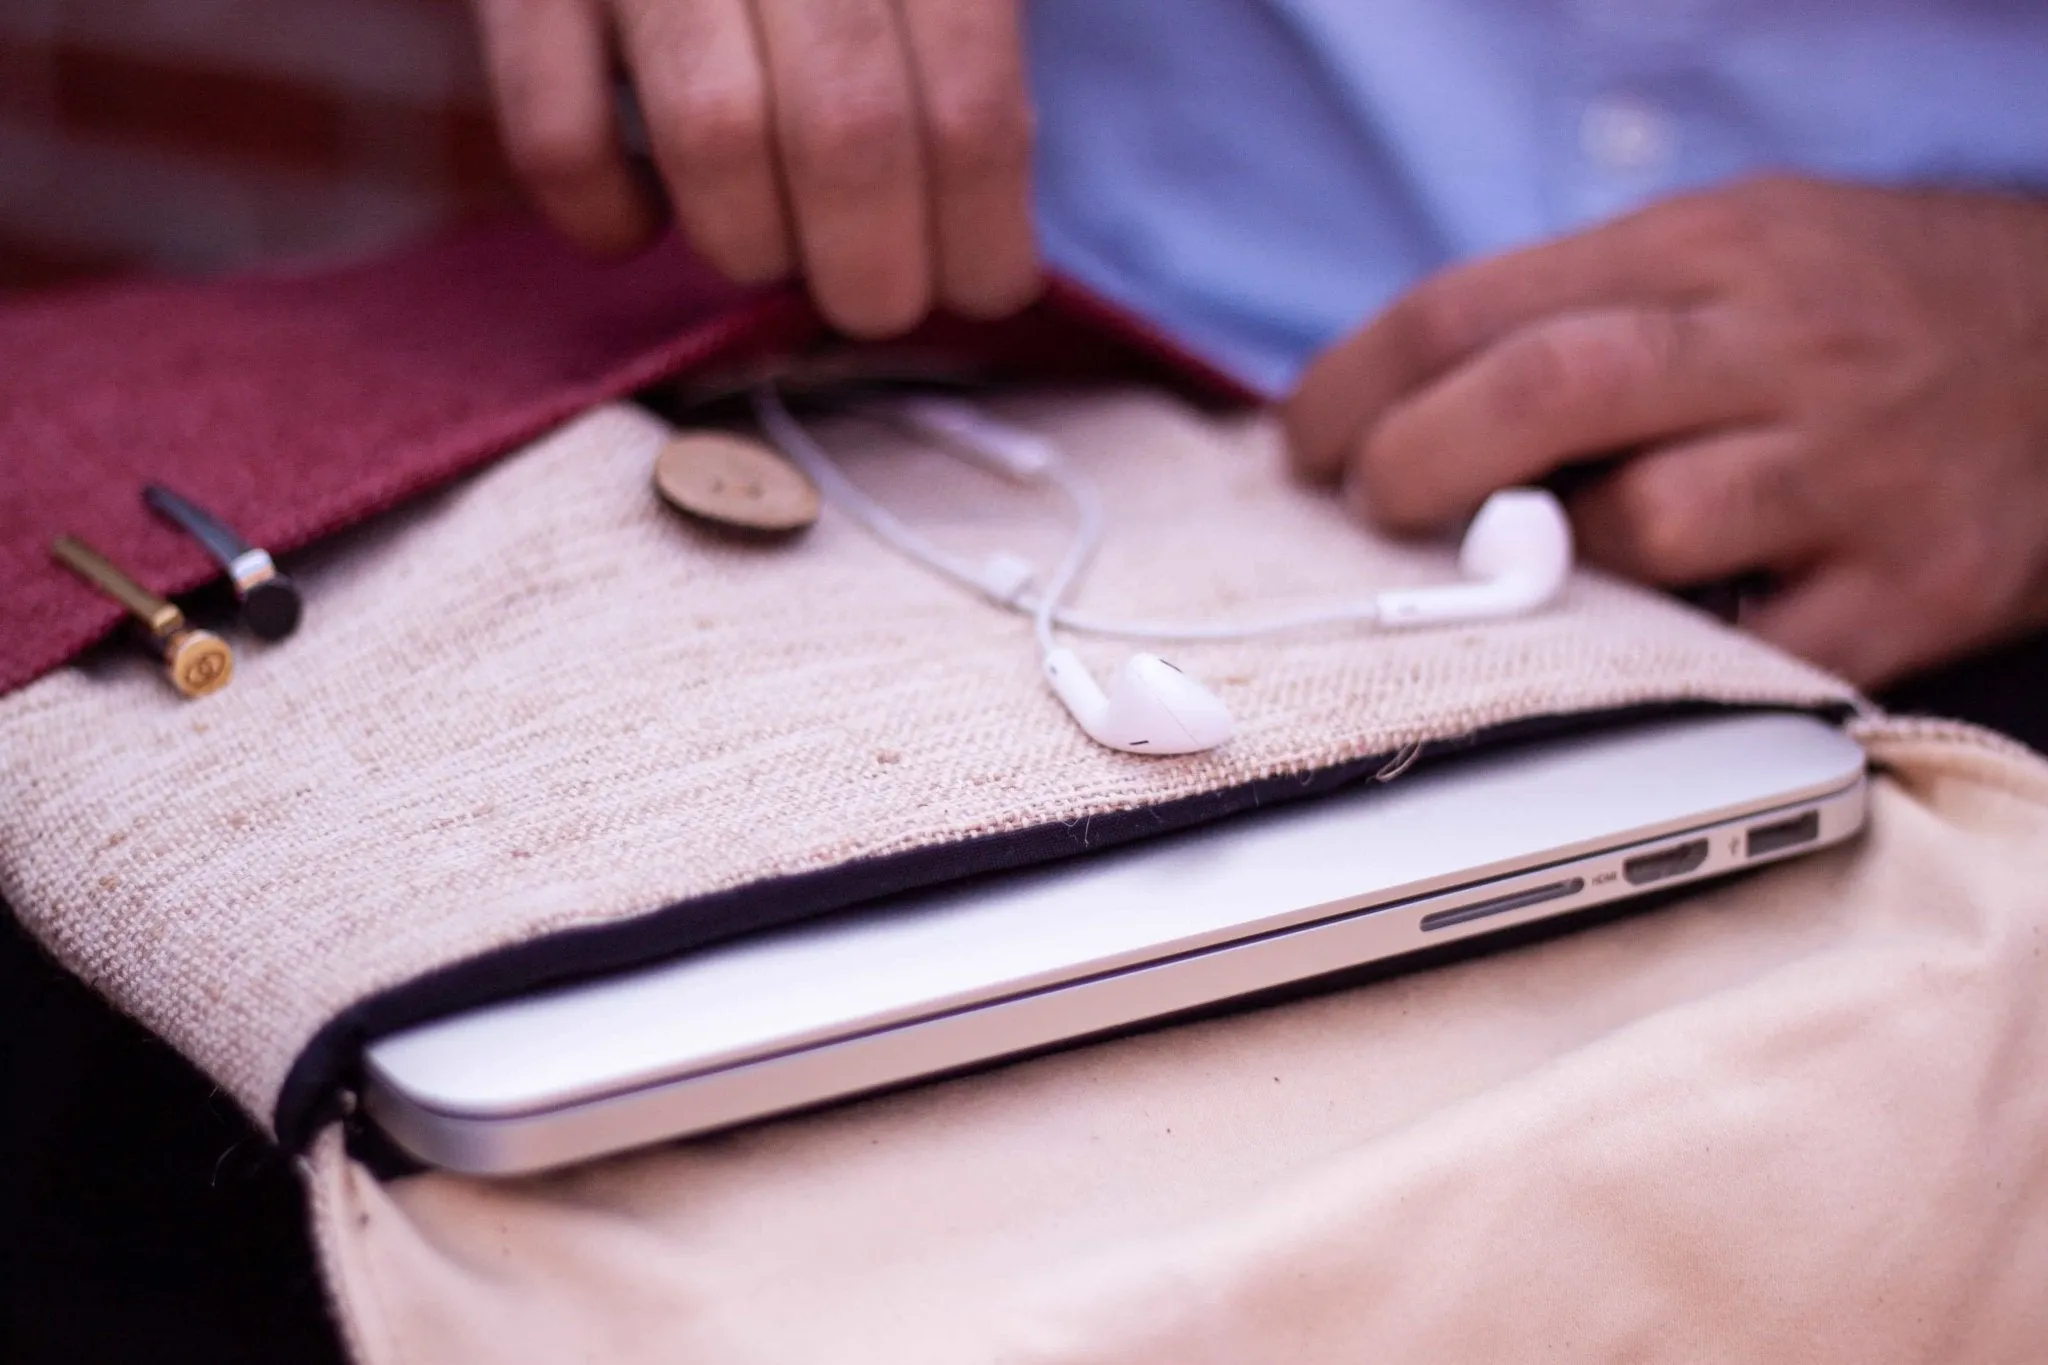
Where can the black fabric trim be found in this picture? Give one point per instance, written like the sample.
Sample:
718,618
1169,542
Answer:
327,1069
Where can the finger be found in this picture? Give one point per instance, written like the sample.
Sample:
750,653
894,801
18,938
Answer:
846,125
968,62
704,93
550,79
1704,510
1570,386
1841,617
1650,258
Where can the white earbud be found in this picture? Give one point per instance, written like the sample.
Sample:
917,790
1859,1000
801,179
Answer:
1516,557
1518,554
1151,708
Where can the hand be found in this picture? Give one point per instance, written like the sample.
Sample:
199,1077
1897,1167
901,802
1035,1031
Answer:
1844,387
881,146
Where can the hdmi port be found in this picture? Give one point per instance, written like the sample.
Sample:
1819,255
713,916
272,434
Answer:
1671,862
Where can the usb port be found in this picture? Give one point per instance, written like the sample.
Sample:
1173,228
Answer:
1671,862
1782,834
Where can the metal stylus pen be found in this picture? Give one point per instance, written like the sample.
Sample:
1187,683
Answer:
270,600
196,661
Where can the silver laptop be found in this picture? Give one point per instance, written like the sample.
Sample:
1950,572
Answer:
924,984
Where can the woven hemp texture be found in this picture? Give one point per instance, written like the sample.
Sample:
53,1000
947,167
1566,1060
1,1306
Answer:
541,702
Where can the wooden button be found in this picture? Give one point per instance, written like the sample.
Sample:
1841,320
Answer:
735,482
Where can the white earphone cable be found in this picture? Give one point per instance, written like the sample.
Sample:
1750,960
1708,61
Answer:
1357,613
793,441
1066,575
1045,607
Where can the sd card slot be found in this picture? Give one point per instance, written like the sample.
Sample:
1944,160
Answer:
1500,905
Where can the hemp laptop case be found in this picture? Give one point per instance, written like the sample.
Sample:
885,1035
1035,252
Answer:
539,720
536,726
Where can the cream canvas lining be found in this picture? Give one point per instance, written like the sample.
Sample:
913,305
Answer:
1800,1116
542,702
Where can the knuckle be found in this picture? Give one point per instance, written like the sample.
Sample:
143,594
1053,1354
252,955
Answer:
1652,344
553,151
1713,215
1590,364
992,293
1761,220
1312,436
979,134
1961,583
1777,494
871,313
852,140
1658,517
718,132
1769,194
1727,227
1439,320
1547,371
1386,485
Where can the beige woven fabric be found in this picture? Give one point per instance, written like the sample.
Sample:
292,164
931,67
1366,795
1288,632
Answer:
544,701
1802,1116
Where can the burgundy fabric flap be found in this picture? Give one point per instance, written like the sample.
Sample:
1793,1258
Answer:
298,405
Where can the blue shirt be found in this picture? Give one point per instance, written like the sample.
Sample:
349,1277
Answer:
1260,176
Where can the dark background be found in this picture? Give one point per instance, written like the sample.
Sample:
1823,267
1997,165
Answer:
141,1217
191,136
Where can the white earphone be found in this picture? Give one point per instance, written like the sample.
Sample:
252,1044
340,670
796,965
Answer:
1516,557
1151,707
